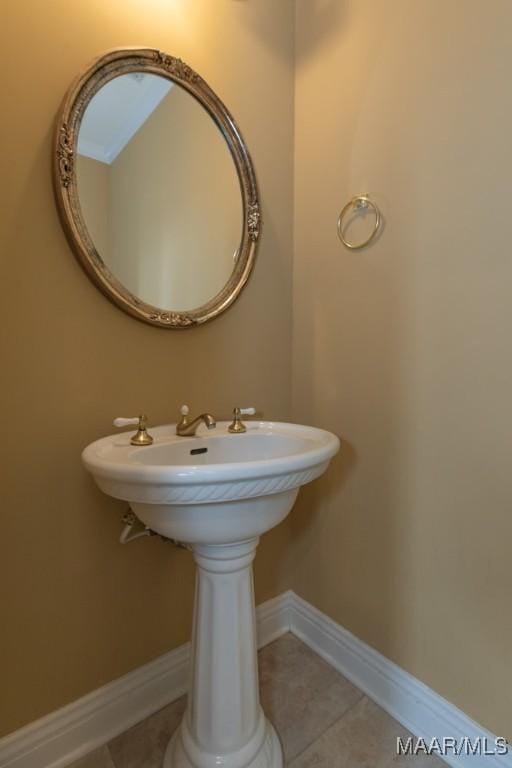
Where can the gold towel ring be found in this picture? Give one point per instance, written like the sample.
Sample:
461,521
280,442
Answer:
359,203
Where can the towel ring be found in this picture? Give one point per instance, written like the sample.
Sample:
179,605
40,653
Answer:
359,203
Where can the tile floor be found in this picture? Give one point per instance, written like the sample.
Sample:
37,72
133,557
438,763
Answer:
322,719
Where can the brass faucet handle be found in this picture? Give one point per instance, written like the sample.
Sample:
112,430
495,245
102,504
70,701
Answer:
237,427
141,437
184,411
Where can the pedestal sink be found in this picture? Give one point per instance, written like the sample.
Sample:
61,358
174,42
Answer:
218,492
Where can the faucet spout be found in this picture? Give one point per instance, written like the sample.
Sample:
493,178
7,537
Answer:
190,427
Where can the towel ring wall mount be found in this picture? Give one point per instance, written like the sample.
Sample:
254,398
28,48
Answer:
357,204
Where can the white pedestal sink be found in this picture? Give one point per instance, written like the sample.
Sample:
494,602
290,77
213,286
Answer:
218,492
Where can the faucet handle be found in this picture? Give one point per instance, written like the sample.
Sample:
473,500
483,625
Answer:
237,427
184,410
141,437
121,421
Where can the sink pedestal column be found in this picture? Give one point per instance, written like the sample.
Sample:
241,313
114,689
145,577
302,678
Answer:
224,725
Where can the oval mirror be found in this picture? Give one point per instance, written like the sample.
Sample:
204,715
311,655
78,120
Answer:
156,188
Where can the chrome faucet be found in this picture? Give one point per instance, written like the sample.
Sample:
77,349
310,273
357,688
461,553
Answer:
186,428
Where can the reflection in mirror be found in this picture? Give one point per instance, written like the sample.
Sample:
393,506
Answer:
159,191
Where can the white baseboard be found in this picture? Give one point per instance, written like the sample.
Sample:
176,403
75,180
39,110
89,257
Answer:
413,704
60,738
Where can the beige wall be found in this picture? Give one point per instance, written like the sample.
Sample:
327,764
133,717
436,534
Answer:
403,349
78,609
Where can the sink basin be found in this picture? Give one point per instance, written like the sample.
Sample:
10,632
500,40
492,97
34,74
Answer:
218,492
215,487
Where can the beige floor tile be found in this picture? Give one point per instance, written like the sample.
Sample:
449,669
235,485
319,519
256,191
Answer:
143,746
288,660
100,758
301,694
364,738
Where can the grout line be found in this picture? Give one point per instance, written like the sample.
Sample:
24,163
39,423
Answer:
335,722
329,727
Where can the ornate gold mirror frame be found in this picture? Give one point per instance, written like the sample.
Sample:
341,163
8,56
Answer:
101,71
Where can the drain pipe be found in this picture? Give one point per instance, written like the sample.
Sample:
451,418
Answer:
129,519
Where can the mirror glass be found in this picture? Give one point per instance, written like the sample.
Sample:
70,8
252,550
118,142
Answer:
159,191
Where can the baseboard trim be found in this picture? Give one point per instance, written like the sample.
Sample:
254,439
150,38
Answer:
413,704
60,738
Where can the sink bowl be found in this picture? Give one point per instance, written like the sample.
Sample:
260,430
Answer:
218,492
215,487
